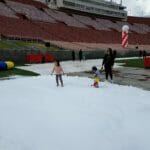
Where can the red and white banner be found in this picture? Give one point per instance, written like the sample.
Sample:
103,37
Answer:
124,39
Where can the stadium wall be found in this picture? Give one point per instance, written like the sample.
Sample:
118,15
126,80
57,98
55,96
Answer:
19,56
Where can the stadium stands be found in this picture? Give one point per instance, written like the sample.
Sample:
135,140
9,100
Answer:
5,11
29,11
90,22
139,20
36,4
19,28
43,23
63,17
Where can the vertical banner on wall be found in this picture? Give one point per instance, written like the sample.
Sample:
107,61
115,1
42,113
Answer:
125,31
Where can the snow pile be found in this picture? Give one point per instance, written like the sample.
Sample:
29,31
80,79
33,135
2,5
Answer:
37,115
68,66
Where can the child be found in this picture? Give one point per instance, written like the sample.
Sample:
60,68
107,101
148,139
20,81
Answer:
58,71
96,77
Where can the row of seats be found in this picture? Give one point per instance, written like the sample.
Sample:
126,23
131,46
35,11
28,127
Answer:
29,11
90,22
59,26
64,33
5,11
61,32
98,24
139,20
63,17
53,16
19,28
34,3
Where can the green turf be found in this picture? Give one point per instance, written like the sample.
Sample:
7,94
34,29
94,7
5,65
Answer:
16,71
8,44
136,63
20,44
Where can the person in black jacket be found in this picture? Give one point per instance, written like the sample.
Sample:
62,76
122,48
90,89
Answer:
73,55
80,55
108,62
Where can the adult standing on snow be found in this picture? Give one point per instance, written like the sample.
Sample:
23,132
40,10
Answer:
108,62
73,55
80,55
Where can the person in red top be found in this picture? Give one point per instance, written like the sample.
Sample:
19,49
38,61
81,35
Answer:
58,70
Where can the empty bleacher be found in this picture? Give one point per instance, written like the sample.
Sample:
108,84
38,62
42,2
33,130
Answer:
90,22
29,11
143,28
19,28
36,4
5,11
139,20
104,24
63,17
43,23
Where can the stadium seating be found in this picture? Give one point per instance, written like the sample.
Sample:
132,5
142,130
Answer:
36,4
90,22
139,20
63,17
104,24
33,20
5,11
29,11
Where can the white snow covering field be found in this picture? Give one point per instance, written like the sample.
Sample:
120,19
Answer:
37,115
68,66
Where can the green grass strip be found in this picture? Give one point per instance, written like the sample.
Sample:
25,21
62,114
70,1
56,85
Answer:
16,71
136,63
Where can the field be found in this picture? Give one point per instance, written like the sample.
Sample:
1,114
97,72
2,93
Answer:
15,44
16,72
136,63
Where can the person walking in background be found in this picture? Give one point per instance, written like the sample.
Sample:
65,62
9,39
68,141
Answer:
57,69
108,62
73,55
144,54
80,55
140,53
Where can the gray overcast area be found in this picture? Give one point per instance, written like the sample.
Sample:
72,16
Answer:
136,7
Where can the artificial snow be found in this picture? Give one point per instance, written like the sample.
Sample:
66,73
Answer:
37,115
68,66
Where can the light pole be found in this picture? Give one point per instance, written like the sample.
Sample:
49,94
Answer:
121,2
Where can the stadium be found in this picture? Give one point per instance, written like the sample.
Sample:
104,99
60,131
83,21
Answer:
90,25
60,90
